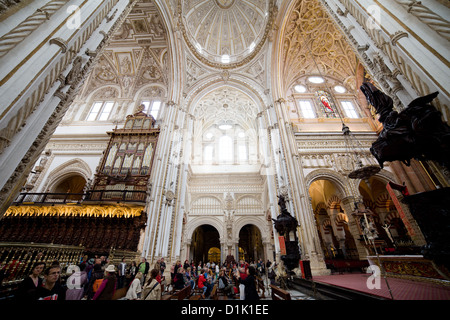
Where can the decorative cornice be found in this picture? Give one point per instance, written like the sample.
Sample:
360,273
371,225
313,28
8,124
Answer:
97,211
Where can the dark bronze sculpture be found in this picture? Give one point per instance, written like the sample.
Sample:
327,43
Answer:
417,132
284,224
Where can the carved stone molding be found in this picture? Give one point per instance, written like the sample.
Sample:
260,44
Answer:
427,16
11,39
397,36
60,43
389,50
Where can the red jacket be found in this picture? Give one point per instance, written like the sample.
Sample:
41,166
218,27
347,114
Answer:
201,280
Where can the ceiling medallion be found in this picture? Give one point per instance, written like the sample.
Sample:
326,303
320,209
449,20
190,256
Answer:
224,4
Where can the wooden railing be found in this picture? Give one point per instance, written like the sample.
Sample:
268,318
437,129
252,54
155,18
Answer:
70,198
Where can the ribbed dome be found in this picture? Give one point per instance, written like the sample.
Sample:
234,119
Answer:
225,31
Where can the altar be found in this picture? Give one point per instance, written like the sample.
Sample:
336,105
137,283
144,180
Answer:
411,267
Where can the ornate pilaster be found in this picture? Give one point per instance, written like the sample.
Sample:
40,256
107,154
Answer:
308,234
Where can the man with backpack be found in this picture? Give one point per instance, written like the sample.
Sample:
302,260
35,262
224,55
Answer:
95,281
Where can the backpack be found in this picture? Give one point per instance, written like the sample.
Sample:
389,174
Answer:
96,285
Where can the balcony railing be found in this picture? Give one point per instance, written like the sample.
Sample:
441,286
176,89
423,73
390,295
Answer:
71,198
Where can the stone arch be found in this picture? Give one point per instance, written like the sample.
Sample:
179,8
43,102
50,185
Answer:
250,237
258,222
320,206
214,82
392,215
334,202
70,168
384,201
383,175
327,174
341,219
326,225
199,221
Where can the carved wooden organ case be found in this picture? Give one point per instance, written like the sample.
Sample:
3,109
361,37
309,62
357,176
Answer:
126,164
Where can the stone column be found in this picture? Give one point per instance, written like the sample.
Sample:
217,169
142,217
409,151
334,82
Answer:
347,204
299,206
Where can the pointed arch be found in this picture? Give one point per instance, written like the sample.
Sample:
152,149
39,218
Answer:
73,167
333,176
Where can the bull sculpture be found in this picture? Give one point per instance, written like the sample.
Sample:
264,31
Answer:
416,132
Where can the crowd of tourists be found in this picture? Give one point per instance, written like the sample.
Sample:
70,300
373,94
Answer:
98,279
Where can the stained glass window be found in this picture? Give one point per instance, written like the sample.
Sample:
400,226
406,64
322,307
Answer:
326,104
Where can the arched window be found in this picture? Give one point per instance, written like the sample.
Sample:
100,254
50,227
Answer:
152,107
242,153
326,105
208,153
100,111
307,109
349,109
226,149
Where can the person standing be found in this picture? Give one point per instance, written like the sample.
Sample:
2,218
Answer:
51,288
249,284
179,281
29,285
122,267
109,284
162,266
135,289
97,276
152,288
131,272
143,267
242,270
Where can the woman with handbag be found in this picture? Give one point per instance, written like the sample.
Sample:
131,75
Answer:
152,288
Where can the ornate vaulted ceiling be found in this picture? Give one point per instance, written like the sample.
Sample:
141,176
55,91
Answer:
136,54
226,104
312,45
225,33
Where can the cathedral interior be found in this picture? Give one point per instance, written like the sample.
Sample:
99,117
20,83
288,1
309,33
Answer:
170,129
